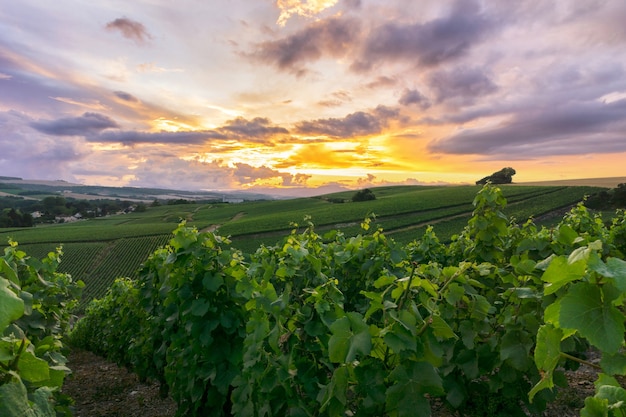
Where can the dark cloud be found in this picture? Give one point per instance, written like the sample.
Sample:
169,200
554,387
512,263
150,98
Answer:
130,29
88,123
178,138
571,128
413,97
355,124
332,37
462,85
427,44
126,96
257,128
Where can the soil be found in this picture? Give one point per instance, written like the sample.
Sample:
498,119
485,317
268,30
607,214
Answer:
102,389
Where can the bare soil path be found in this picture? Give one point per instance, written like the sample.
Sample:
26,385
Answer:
102,389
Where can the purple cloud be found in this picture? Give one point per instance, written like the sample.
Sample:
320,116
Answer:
355,124
413,97
328,37
571,128
428,44
178,138
130,29
257,128
461,85
88,123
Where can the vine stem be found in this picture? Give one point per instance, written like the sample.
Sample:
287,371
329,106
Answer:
581,361
405,294
449,280
13,364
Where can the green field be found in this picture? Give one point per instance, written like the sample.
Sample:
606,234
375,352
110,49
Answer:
99,250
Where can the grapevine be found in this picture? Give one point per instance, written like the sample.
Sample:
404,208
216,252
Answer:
329,325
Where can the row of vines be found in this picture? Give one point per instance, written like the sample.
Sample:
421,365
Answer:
361,326
35,306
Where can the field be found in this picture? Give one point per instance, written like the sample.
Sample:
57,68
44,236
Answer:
99,250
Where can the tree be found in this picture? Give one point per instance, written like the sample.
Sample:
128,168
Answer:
364,195
504,176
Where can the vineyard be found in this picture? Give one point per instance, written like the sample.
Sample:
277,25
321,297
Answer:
332,324
94,250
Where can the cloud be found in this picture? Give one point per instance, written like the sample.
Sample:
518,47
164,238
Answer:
88,123
130,29
413,97
135,137
126,96
337,99
462,85
247,174
431,43
571,128
307,8
355,124
328,37
28,154
257,128
382,82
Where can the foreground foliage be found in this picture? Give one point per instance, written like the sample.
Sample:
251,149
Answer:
35,312
334,326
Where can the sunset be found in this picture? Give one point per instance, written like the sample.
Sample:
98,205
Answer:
311,96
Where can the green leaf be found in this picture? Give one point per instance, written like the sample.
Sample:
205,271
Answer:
14,401
613,394
11,306
411,381
199,307
441,329
212,281
350,337
566,235
42,403
332,397
32,368
595,407
515,348
9,272
583,308
560,272
614,364
548,347
547,355
614,268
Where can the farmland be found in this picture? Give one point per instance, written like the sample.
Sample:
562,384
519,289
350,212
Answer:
99,250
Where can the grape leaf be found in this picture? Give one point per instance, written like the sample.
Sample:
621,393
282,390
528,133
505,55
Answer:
583,308
561,272
350,337
411,381
11,306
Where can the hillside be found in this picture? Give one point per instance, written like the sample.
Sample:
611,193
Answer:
608,182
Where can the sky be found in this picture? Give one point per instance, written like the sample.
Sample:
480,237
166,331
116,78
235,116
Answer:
303,96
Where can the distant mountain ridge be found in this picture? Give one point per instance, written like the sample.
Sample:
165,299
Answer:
81,191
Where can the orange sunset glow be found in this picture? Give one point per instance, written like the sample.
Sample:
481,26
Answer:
311,96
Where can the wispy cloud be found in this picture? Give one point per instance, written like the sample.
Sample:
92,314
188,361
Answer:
130,29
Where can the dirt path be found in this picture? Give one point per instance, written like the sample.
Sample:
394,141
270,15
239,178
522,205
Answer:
102,389
213,228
